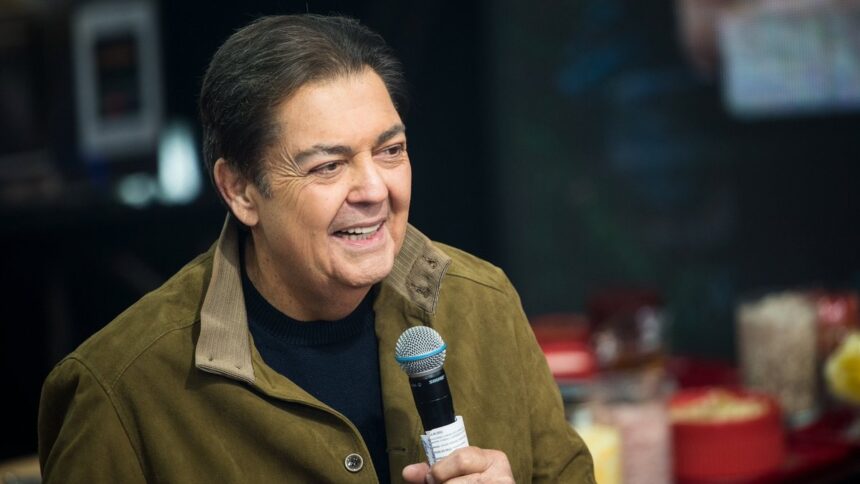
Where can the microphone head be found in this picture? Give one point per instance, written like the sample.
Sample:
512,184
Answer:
420,351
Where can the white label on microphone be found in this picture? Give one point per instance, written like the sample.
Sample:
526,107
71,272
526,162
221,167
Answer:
440,442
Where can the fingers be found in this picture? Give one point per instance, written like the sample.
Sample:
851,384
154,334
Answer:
463,466
472,464
469,460
416,473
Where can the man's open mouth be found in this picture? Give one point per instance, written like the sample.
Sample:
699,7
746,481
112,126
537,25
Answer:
358,233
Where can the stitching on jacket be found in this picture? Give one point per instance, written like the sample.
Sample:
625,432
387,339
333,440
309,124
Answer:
496,287
146,348
113,404
121,372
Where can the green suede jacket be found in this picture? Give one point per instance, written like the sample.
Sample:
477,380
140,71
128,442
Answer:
173,390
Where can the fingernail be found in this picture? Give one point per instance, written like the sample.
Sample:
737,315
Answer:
429,479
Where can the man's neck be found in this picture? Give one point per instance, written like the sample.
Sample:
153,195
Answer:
296,300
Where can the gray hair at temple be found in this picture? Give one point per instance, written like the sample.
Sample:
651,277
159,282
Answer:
263,64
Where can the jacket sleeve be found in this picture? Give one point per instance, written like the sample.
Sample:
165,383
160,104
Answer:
559,453
81,437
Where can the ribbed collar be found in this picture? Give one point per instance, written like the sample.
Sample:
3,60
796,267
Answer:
224,346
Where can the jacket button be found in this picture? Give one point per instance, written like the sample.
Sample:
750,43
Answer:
353,462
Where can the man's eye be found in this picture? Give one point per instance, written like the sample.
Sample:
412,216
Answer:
327,168
393,151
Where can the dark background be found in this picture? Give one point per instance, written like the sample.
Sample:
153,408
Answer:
570,143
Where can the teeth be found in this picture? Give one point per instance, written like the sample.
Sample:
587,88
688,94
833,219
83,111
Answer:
359,233
362,230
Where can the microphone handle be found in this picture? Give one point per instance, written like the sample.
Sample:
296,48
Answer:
433,399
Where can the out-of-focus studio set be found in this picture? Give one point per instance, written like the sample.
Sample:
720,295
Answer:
672,187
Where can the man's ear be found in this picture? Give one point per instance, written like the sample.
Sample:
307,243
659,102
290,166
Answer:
237,192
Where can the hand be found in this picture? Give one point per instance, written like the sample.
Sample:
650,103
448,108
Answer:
469,464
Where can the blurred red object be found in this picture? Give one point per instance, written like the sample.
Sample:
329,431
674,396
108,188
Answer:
570,361
611,302
691,372
821,450
743,448
560,327
818,453
838,315
629,326
564,339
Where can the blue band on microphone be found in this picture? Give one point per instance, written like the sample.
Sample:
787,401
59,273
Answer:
406,359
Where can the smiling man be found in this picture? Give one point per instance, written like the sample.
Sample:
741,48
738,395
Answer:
341,174
271,357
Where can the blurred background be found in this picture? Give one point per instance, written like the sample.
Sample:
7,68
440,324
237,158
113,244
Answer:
689,158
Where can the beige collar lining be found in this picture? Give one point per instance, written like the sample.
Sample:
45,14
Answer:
224,346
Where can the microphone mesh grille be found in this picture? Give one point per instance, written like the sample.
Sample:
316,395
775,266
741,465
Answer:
416,341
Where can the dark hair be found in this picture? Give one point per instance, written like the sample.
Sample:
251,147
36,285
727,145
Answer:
264,63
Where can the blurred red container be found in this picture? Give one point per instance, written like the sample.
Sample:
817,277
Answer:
569,361
564,339
727,450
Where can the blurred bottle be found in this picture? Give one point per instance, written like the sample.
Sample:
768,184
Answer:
777,339
631,390
629,328
602,437
564,340
635,402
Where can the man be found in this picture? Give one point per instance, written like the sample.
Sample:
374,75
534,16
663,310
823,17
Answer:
271,357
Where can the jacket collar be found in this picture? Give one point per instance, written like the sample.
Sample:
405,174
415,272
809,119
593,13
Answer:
224,346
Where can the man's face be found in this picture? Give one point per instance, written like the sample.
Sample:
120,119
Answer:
340,183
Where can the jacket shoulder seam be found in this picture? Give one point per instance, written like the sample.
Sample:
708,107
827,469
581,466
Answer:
495,287
146,348
200,260
110,397
483,273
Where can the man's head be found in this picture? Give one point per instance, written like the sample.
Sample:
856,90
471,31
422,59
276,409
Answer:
307,148
263,64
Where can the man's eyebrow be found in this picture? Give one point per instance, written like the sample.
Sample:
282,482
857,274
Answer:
342,150
320,149
390,133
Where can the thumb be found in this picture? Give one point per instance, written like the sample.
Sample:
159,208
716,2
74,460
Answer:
417,473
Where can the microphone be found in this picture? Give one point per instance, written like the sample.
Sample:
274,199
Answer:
420,352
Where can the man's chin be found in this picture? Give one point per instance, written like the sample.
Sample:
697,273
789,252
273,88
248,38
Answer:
367,272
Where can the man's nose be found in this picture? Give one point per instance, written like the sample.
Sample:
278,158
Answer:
368,183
